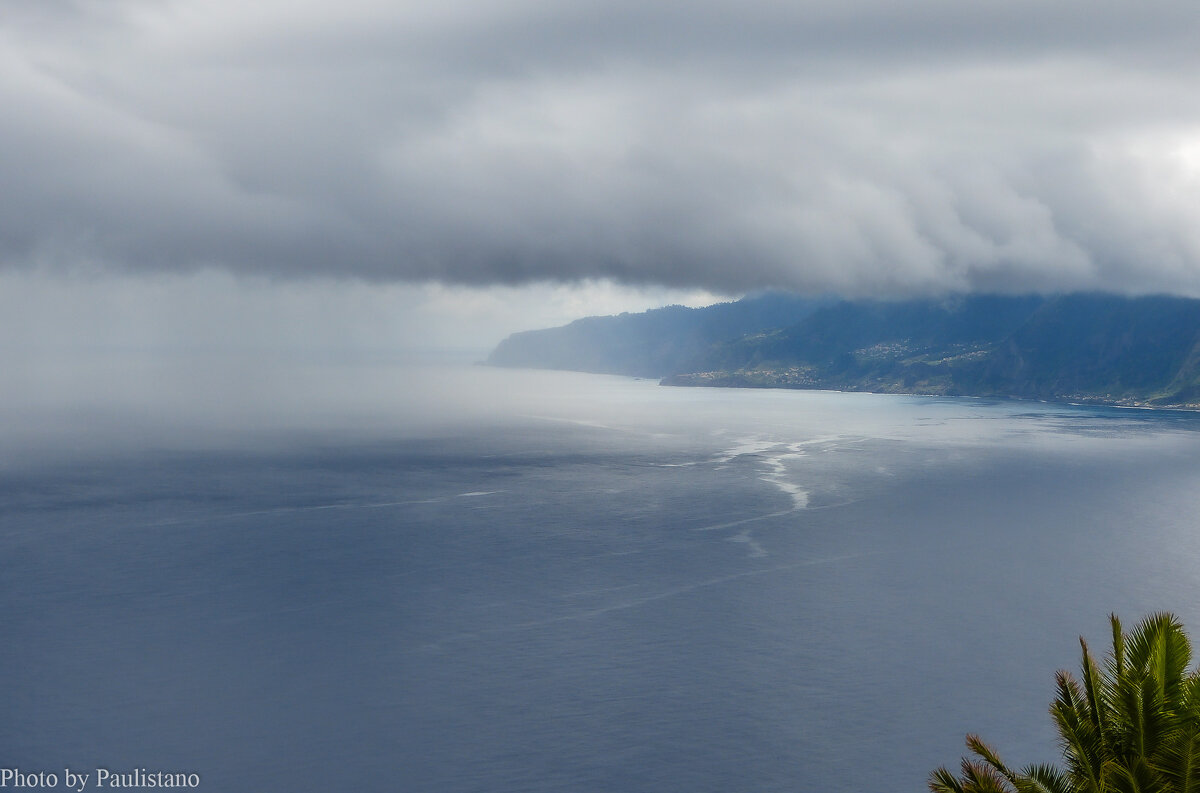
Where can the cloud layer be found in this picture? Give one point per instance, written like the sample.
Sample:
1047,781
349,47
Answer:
867,148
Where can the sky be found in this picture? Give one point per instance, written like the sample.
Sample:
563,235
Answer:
383,174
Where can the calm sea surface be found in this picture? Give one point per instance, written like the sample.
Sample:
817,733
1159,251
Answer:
480,580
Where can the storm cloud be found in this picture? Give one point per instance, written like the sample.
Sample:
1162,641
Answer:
867,148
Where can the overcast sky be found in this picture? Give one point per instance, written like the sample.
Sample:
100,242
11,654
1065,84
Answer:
443,173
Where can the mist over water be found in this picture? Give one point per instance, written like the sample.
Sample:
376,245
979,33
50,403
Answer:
364,576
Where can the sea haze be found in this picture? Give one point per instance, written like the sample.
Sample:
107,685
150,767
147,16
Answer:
473,579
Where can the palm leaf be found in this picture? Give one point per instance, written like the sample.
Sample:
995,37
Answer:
976,745
1082,744
1093,685
1136,777
1043,779
1180,763
981,778
1159,647
943,781
1117,659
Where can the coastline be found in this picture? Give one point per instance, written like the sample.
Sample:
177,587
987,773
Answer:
793,381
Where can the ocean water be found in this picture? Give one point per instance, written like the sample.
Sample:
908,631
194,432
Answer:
480,580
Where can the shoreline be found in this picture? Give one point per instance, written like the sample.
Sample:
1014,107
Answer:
1074,400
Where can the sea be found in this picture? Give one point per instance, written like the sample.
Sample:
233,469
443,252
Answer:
461,579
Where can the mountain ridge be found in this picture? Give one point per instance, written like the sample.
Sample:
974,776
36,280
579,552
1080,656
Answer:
1080,347
652,343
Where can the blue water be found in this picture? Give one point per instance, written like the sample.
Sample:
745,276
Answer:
559,582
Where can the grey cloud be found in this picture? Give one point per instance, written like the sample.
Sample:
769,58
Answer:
868,148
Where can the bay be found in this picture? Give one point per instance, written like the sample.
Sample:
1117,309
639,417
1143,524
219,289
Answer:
466,579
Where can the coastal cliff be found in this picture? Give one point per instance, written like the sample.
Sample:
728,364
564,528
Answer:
1094,348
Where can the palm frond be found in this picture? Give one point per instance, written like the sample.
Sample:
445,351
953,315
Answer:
1179,764
982,778
1082,745
1043,779
989,756
1158,646
943,781
1093,685
1135,777
1117,659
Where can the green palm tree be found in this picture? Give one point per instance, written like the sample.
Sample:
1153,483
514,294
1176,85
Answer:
1131,726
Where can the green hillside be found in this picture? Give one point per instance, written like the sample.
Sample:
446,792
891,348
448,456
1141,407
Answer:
1078,347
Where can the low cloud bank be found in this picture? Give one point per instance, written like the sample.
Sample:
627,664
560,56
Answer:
866,149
